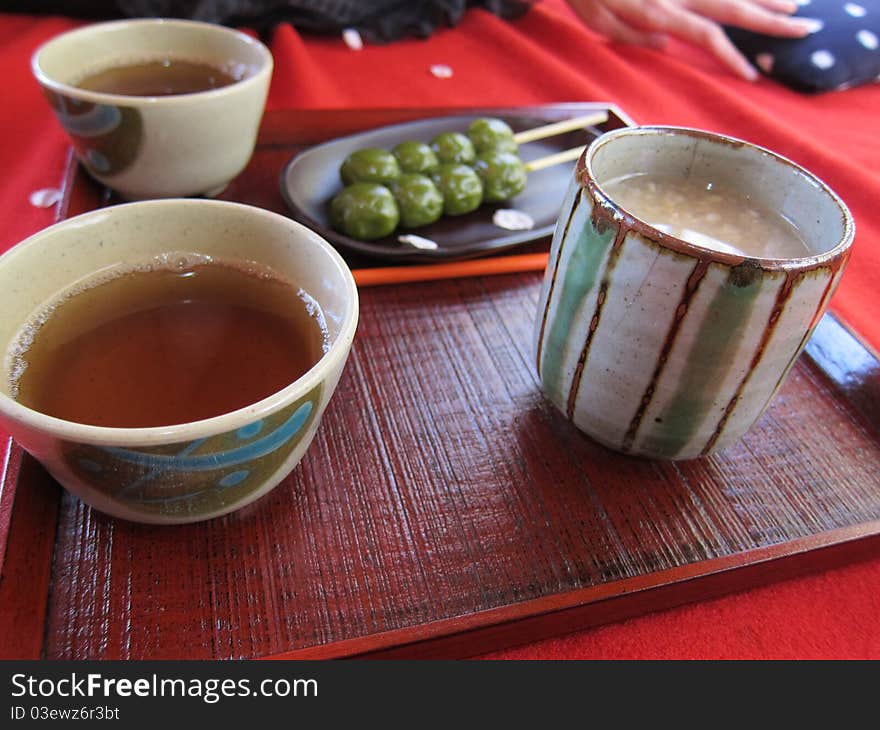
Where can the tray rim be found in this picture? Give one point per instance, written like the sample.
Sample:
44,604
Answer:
559,613
838,547
574,610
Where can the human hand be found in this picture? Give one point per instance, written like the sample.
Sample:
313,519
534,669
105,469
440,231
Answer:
651,23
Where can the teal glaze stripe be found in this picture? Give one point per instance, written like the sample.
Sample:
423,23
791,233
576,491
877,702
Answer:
707,363
781,298
581,274
546,312
690,289
610,263
817,315
206,462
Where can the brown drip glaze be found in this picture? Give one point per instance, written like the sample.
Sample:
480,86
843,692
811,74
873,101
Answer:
781,298
690,289
599,221
817,315
540,346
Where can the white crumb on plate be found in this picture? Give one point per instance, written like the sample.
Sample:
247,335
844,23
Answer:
45,198
513,220
353,39
441,71
426,244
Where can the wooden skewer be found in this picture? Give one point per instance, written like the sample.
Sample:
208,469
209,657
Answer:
567,125
554,159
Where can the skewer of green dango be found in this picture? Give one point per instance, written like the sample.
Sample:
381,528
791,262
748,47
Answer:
370,210
367,211
386,189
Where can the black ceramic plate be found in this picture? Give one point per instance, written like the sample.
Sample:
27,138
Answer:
311,179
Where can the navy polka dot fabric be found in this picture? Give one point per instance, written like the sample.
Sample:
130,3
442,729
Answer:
845,52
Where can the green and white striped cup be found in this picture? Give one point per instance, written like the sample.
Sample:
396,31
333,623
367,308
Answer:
655,346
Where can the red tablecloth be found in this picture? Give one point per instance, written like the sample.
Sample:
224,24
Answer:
547,56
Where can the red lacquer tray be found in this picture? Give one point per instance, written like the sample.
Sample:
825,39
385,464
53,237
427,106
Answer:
445,508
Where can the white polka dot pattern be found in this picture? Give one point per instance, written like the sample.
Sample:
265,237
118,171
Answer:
822,59
867,39
843,52
856,11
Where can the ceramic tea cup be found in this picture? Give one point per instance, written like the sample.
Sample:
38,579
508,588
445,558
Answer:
157,146
659,347
191,471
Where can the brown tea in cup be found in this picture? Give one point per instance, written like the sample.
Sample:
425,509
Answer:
172,342
160,77
198,469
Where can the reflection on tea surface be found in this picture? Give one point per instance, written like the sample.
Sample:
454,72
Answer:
164,77
171,343
708,214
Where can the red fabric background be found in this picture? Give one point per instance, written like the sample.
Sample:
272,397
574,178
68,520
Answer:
548,56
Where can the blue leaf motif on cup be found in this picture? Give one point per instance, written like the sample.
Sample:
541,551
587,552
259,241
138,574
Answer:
202,475
107,138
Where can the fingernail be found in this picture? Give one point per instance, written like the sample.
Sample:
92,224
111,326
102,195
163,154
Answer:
750,73
765,62
810,25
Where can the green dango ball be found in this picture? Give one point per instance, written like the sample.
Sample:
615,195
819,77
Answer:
502,173
460,187
372,164
502,144
419,201
488,133
453,147
416,157
365,211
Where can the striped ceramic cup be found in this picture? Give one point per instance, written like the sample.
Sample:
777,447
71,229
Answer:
659,347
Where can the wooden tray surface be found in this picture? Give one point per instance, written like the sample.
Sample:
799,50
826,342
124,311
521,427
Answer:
445,508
